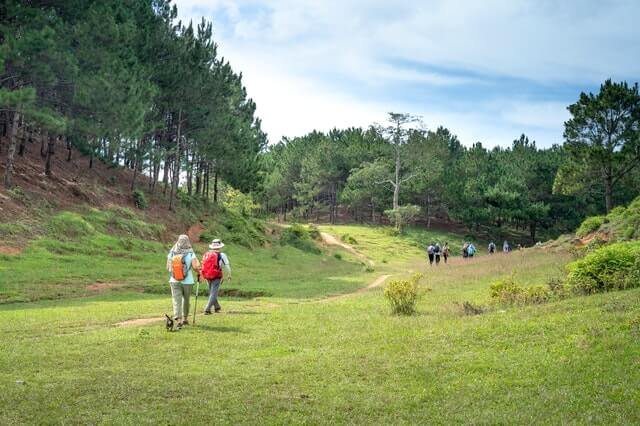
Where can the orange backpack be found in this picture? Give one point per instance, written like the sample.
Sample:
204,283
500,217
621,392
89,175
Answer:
178,267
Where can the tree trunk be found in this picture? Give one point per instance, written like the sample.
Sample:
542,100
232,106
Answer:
68,148
532,231
428,210
92,152
176,165
198,178
206,182
608,191
8,174
396,187
165,175
189,174
215,186
44,136
50,152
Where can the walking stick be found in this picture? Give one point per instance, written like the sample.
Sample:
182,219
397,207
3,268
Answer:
195,305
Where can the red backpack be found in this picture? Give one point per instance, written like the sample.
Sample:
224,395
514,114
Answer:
211,265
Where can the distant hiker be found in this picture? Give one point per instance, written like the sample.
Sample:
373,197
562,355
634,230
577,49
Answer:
437,251
465,252
445,252
506,247
492,247
471,250
213,262
181,262
431,252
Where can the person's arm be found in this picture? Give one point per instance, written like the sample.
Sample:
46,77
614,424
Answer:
226,265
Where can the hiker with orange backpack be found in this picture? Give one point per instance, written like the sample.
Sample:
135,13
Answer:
213,262
181,262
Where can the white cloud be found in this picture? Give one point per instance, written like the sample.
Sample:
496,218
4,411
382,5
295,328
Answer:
309,64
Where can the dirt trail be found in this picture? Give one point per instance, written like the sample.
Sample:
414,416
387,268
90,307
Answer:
377,283
333,241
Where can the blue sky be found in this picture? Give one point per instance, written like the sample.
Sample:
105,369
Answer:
488,70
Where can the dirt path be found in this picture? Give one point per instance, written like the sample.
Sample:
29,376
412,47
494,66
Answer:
333,241
377,283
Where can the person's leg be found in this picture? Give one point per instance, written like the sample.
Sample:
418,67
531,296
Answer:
214,286
186,294
437,259
176,298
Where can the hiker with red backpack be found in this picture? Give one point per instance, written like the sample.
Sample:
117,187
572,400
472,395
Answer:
181,262
213,262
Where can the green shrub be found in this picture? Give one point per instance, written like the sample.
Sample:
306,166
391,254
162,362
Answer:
299,237
346,238
338,256
403,295
590,224
508,292
314,232
505,292
612,267
68,225
139,199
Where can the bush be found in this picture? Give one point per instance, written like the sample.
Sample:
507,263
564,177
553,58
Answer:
140,200
590,224
299,237
508,292
338,256
68,225
402,215
346,238
403,295
314,232
612,267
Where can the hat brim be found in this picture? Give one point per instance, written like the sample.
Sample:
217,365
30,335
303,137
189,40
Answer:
213,247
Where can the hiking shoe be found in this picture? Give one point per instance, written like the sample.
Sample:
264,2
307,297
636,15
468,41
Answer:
185,322
178,327
207,312
218,310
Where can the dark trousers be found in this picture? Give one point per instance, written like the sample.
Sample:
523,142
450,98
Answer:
437,258
430,258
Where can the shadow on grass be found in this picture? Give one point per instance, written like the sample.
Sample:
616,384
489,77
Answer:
217,329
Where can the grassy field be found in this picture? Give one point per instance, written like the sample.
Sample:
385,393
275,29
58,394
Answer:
295,357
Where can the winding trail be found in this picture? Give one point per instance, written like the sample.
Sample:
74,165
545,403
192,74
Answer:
333,241
328,239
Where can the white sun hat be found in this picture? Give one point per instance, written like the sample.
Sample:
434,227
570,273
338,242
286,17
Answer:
216,244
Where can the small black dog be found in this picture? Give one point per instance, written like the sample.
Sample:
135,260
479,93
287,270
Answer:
169,322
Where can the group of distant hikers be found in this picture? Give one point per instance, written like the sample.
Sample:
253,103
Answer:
182,263
435,251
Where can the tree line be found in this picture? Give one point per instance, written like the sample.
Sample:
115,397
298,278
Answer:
125,82
402,171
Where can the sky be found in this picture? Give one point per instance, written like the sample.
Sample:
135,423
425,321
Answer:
488,70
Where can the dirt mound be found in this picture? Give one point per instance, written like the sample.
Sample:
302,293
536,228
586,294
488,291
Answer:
598,235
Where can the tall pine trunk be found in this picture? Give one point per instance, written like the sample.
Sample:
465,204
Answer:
8,174
176,165
50,151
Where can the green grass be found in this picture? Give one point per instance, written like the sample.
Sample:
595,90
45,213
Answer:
293,359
